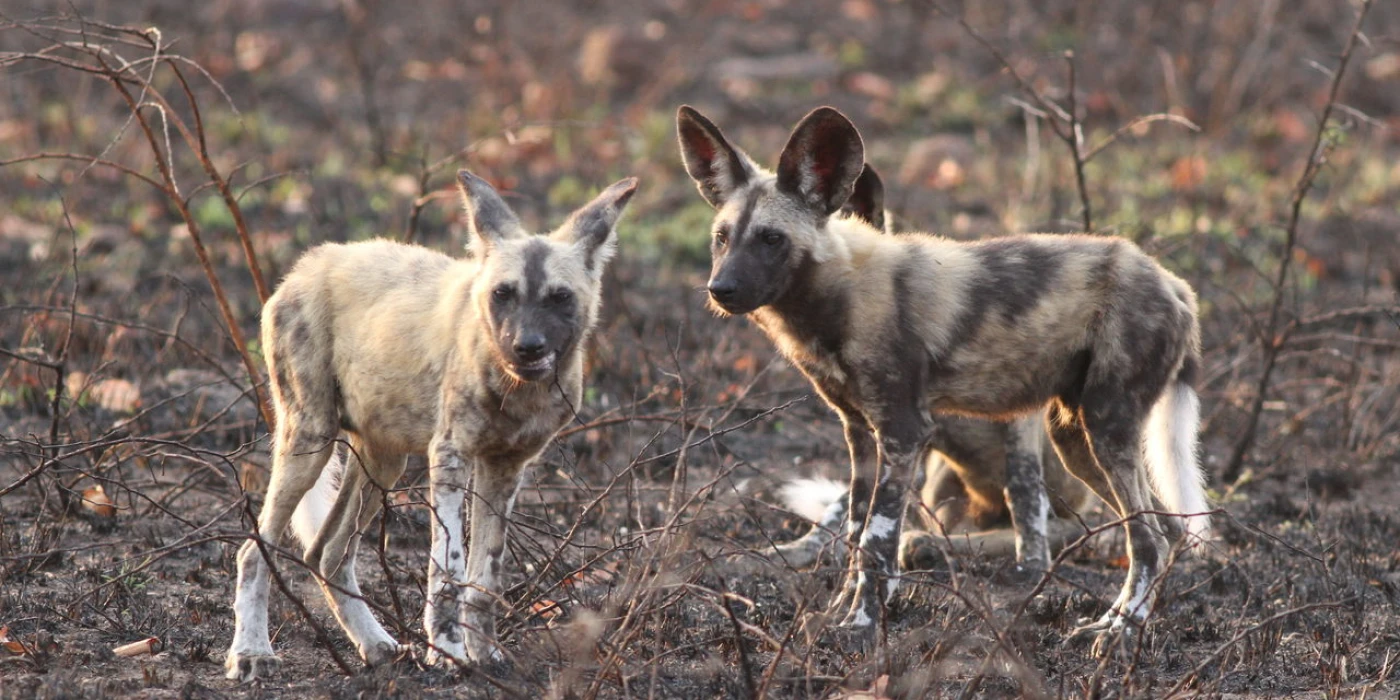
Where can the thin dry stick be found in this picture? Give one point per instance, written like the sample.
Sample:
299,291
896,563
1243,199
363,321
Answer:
1065,123
230,320
1240,636
1271,339
244,240
1076,144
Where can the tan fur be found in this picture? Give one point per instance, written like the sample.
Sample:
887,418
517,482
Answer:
408,351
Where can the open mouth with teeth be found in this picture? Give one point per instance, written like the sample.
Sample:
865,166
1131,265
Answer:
534,369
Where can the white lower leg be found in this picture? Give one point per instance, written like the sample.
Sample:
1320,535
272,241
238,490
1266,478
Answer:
374,643
446,577
250,635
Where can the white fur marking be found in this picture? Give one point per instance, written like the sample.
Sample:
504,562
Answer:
1170,448
881,527
812,498
315,506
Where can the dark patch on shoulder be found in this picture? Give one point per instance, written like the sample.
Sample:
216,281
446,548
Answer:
906,359
535,255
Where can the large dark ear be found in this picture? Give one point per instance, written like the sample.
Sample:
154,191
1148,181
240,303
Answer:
489,218
822,160
717,167
868,199
592,224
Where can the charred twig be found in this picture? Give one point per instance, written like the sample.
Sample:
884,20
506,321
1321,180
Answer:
1064,122
1272,340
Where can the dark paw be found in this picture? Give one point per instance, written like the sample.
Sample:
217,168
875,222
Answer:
249,667
918,551
853,638
1107,634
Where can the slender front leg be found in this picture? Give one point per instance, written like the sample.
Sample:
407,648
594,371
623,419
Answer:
876,562
864,452
849,516
494,486
448,480
1026,495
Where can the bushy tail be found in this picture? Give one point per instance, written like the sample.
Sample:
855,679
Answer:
812,498
1170,447
315,506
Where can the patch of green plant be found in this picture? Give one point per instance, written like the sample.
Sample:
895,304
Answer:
567,192
210,212
961,109
851,54
682,238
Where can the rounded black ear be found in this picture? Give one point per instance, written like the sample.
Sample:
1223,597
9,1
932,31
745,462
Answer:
593,223
821,161
489,217
717,167
867,201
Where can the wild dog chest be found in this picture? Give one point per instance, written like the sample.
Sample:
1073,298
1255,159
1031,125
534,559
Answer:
517,423
817,354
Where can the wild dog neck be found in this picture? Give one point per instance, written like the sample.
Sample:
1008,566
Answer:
808,320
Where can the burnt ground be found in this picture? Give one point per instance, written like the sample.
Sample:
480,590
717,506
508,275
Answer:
638,563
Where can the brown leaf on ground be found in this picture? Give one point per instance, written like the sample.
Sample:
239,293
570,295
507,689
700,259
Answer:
96,500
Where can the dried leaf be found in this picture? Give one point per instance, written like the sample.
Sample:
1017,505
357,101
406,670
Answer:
116,395
96,500
546,609
10,645
1188,173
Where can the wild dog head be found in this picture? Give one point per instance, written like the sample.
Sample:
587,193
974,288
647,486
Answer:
770,228
867,202
539,294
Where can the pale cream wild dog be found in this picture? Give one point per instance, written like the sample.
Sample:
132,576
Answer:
476,362
888,328
979,476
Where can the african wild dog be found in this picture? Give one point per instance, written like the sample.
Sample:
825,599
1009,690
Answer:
888,328
476,362
970,476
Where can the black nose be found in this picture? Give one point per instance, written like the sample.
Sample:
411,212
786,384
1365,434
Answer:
723,289
529,346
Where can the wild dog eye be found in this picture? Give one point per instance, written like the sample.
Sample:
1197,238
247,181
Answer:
560,296
722,237
771,237
504,292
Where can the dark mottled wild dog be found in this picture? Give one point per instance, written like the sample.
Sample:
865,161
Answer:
972,487
476,362
888,328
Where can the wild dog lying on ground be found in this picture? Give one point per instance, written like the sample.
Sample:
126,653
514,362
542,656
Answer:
970,477
475,362
888,328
